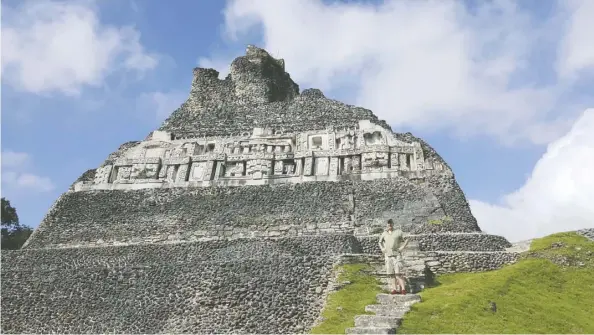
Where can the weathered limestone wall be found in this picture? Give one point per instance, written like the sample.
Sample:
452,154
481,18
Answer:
440,262
189,214
142,216
241,286
257,93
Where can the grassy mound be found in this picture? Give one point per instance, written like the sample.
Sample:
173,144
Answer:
550,290
359,290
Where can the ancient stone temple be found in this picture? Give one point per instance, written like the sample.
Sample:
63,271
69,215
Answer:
230,216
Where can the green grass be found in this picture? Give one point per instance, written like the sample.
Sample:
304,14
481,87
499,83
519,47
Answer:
343,305
550,290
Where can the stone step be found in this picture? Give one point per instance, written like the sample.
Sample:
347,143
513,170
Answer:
371,330
390,299
377,321
397,310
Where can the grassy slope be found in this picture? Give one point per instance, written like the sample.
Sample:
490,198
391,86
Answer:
343,305
535,295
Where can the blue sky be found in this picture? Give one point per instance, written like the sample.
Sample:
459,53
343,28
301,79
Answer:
495,87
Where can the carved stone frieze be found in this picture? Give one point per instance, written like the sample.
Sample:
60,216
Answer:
102,175
267,154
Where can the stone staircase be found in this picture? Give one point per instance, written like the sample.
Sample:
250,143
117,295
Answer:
390,309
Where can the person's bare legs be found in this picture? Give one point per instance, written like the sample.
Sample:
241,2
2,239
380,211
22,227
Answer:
396,283
398,278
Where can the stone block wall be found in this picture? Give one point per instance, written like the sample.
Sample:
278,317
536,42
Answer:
440,262
193,214
161,215
241,286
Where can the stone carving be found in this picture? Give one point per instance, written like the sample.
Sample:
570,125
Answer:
124,172
171,171
347,165
267,153
321,166
182,173
307,166
333,166
346,142
374,161
198,171
278,167
394,162
356,163
102,175
235,169
257,168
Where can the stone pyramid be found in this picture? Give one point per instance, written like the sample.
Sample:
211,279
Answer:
230,216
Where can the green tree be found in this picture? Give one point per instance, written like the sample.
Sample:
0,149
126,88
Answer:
14,234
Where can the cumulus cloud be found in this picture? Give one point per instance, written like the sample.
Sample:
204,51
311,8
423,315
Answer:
425,65
57,46
558,196
16,175
577,50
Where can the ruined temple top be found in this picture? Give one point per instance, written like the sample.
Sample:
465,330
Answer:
258,93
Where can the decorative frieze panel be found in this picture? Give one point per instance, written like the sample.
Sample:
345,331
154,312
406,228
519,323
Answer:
102,174
321,166
374,161
347,165
210,165
235,169
198,171
308,166
356,164
257,168
334,161
182,173
266,154
123,172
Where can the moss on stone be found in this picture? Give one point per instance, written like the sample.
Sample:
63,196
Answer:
550,290
343,305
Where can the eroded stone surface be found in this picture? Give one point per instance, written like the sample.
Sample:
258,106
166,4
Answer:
244,286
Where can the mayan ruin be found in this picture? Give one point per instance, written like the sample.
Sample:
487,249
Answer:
230,217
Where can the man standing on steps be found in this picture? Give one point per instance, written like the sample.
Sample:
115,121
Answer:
392,243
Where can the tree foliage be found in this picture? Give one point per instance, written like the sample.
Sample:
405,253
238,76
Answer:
14,234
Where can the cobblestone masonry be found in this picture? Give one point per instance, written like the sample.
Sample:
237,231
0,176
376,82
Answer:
468,261
186,214
256,286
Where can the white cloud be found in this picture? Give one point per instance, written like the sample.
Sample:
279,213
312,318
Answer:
56,46
162,104
558,196
11,159
427,65
577,51
15,175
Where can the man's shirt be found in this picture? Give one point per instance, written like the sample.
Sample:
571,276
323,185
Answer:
390,242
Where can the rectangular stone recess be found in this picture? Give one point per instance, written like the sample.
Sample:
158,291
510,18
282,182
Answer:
170,288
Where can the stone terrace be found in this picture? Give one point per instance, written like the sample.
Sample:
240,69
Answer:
189,214
207,287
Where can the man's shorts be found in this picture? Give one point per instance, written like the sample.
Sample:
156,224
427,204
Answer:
394,265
